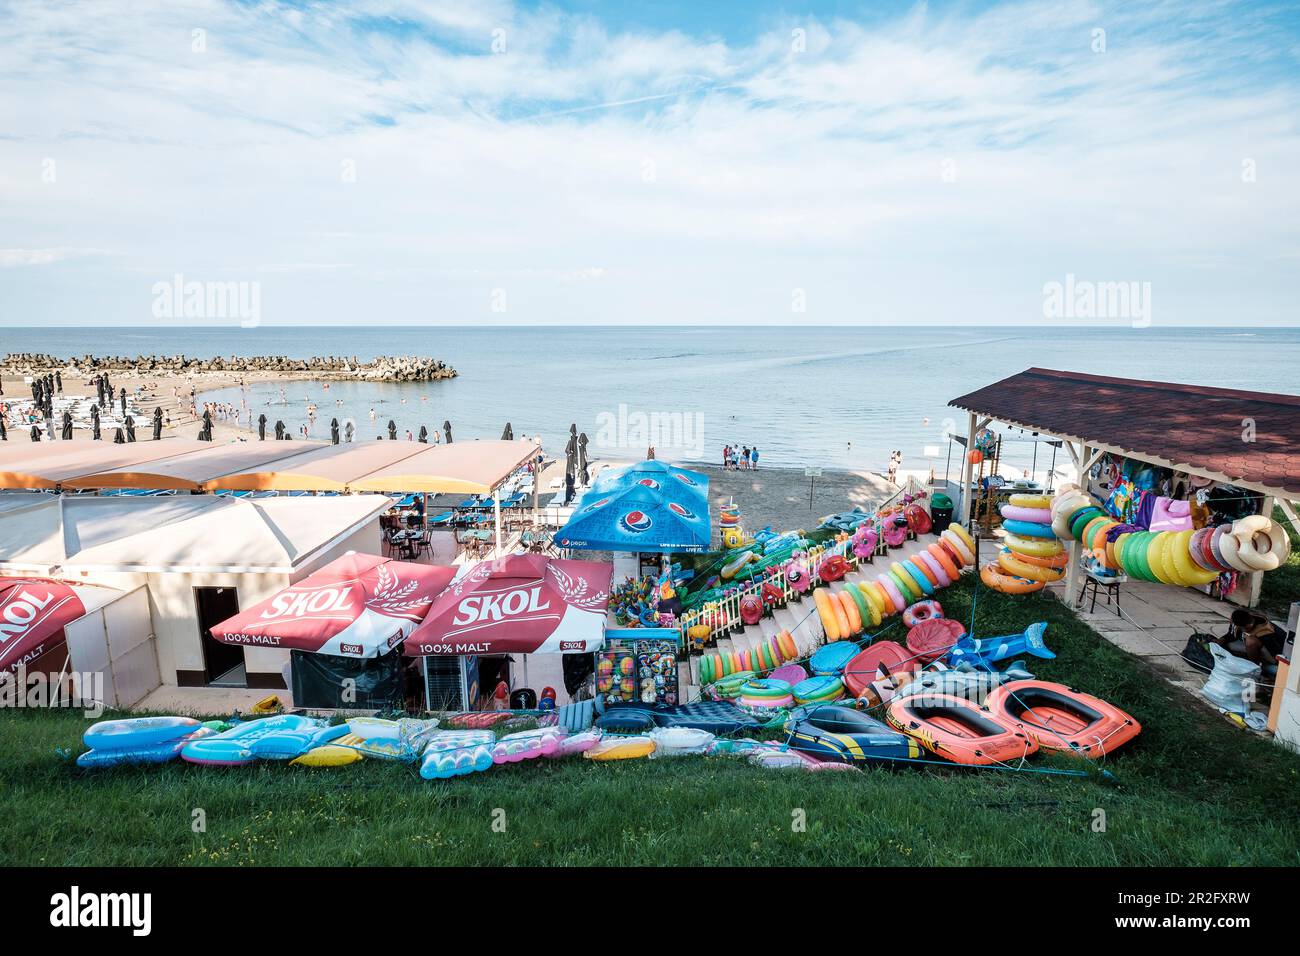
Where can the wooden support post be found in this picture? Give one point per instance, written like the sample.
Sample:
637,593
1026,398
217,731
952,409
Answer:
496,518
1072,569
966,467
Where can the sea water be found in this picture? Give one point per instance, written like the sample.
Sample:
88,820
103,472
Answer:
820,396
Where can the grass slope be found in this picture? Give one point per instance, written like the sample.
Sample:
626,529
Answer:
1190,790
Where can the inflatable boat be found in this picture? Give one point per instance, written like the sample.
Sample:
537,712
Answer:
959,731
1063,719
846,735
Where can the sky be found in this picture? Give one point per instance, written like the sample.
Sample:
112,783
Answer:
172,162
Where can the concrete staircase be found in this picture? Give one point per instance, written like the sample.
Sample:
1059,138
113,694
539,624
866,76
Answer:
800,618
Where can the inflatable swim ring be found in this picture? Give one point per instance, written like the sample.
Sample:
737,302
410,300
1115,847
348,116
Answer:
1010,562
829,619
998,580
893,592
832,658
817,690
134,732
922,611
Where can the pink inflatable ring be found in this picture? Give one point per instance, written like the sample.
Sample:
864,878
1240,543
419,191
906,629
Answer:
922,611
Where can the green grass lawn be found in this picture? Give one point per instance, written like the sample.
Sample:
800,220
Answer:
1191,790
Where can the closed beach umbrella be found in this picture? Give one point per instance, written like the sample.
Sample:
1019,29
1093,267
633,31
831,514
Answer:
4,432
49,425
124,403
130,428
348,431
582,456
36,433
94,422
99,391
334,431
446,427
424,435
118,437
509,433
67,426
261,428
58,382
571,453
279,430
392,430
205,433
157,424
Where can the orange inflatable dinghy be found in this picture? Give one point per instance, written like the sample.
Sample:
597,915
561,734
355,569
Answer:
1063,719
958,730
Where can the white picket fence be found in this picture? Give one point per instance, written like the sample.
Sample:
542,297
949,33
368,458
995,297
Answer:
724,617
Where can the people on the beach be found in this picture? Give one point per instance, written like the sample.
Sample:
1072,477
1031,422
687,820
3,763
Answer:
895,459
753,458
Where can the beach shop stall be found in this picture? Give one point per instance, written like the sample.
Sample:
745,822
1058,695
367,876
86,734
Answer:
88,642
526,606
343,627
198,559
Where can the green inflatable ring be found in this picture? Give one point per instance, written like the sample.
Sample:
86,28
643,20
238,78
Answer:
1080,521
1139,553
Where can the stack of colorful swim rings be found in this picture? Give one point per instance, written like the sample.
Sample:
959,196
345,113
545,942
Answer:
1185,558
859,606
767,656
763,696
1031,557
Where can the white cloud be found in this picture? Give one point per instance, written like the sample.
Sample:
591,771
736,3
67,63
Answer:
698,179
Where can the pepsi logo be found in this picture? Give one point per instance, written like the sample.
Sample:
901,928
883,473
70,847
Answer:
636,522
686,479
596,504
681,510
649,483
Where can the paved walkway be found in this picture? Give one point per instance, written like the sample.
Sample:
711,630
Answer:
1154,623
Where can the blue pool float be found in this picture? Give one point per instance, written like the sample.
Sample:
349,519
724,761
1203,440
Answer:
233,748
291,743
136,732
833,658
159,752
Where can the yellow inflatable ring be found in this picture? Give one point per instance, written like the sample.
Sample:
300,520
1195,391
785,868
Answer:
1007,561
1156,560
1188,569
964,535
1032,501
966,554
830,624
904,582
1038,547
